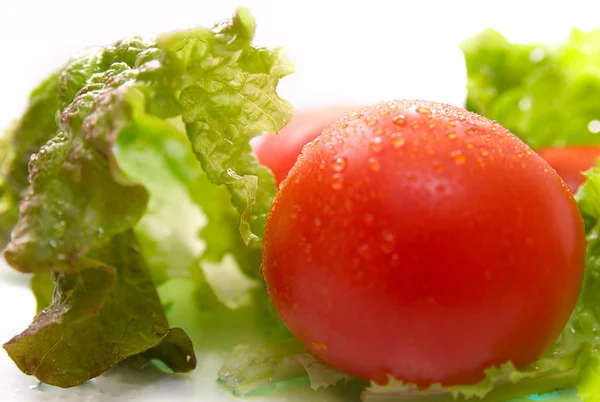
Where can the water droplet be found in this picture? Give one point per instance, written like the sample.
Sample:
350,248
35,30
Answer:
400,120
424,110
398,141
440,188
536,55
451,124
458,157
379,131
411,177
388,236
363,249
452,135
525,103
594,126
519,154
429,151
322,164
484,152
384,112
480,118
431,125
438,166
317,222
470,131
355,116
338,181
319,346
374,164
339,164
371,122
377,144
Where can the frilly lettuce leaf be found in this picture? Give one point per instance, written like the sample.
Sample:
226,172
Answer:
257,371
118,161
24,138
230,99
99,317
545,95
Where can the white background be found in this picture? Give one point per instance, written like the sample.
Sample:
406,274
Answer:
344,51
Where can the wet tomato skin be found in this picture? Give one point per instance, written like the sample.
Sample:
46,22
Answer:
570,162
279,152
418,240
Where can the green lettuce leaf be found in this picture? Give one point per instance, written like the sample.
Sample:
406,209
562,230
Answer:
119,201
545,95
257,371
42,286
99,317
231,99
23,139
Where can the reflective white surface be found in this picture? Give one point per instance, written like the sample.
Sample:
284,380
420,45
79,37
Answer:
351,52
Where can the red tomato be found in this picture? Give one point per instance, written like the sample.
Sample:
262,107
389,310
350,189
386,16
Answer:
279,152
422,241
571,162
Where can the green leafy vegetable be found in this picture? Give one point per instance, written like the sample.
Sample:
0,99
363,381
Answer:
117,200
545,95
257,371
100,316
22,140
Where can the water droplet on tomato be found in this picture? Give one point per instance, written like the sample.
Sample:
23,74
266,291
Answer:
363,249
388,236
484,152
338,181
458,157
355,116
317,222
398,140
377,144
452,135
374,165
438,166
424,110
400,120
339,164
371,122
440,188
